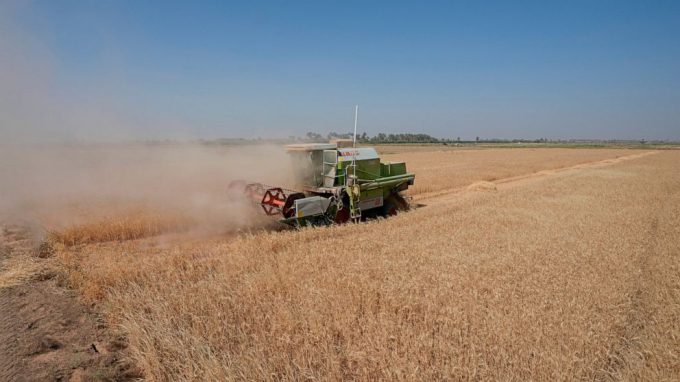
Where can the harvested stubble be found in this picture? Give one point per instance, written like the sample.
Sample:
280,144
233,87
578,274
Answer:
572,277
453,169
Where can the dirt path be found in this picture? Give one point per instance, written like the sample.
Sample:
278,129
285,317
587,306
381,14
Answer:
516,181
46,334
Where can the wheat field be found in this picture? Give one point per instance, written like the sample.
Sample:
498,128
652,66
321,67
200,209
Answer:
451,169
573,275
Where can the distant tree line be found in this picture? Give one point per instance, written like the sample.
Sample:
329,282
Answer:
365,138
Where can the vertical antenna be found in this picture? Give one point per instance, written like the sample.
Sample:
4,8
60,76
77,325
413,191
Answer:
356,119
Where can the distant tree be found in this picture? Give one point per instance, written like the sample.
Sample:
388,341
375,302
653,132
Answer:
314,137
364,137
477,139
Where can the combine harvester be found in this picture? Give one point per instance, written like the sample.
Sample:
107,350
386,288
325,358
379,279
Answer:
337,183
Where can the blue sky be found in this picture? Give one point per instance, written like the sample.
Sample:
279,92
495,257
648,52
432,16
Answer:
526,69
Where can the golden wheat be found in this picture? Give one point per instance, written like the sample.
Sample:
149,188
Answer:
576,276
129,226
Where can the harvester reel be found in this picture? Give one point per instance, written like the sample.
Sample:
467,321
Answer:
253,190
272,201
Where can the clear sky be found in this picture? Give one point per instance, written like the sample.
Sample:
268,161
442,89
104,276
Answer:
493,69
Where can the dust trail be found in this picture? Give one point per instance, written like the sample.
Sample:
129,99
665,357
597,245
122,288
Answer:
52,187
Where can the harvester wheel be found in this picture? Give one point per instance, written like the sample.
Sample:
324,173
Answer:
342,216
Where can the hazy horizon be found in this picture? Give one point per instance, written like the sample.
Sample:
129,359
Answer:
112,71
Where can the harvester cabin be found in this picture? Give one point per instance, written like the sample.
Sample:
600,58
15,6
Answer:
326,165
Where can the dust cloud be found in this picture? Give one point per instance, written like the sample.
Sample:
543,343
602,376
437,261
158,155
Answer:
49,187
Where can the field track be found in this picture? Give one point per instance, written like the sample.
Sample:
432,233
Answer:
46,333
517,181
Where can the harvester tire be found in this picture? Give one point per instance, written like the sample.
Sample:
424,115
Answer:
342,216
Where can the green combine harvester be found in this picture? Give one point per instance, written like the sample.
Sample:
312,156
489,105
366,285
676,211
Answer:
336,183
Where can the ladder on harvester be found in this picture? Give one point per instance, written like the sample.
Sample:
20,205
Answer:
354,198
354,191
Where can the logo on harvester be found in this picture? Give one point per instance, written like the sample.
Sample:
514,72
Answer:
371,203
349,153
